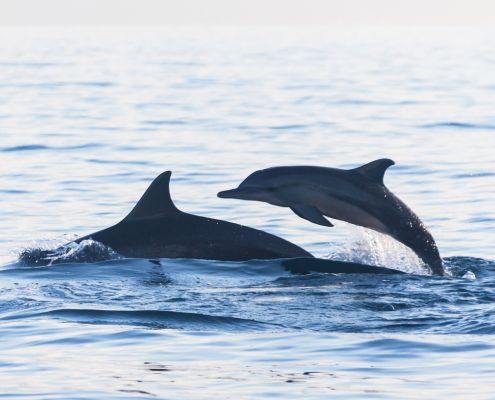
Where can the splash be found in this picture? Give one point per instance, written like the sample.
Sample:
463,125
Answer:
87,251
469,275
373,248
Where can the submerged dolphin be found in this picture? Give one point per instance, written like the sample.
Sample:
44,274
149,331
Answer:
155,228
357,196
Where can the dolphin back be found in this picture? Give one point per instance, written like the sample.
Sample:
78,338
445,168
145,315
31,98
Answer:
155,227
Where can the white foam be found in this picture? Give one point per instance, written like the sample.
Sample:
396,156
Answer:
369,247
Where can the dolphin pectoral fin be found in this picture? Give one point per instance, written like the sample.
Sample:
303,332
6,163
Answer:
312,214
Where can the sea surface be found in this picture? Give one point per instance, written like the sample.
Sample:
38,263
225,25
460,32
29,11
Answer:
88,117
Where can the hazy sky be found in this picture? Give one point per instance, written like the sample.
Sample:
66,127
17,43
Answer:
247,12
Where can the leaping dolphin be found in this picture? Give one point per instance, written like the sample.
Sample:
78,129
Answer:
357,196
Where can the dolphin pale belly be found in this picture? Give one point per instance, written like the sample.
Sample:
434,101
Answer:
357,196
155,228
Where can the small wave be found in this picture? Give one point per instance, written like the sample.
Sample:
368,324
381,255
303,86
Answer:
28,147
80,146
14,191
288,127
34,147
148,318
118,162
354,102
33,64
166,122
458,125
467,267
472,175
414,347
87,251
54,85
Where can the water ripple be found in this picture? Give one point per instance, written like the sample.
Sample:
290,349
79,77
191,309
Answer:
458,125
87,116
34,147
55,85
149,318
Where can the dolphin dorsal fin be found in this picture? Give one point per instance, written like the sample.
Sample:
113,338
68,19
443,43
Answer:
375,170
156,200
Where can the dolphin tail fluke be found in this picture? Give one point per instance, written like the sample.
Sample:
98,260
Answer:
312,214
156,200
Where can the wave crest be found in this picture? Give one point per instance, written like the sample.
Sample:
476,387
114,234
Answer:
87,251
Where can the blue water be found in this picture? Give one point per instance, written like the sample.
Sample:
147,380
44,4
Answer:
89,117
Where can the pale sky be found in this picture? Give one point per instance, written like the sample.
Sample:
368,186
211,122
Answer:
247,12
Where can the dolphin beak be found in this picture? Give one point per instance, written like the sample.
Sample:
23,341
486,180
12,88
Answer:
238,193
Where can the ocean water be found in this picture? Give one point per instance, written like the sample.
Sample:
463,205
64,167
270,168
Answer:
88,117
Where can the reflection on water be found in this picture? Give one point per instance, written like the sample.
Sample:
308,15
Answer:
89,118
115,361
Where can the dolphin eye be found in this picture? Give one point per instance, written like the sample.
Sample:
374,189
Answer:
271,189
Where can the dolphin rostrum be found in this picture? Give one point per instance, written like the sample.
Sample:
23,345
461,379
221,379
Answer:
357,196
155,228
